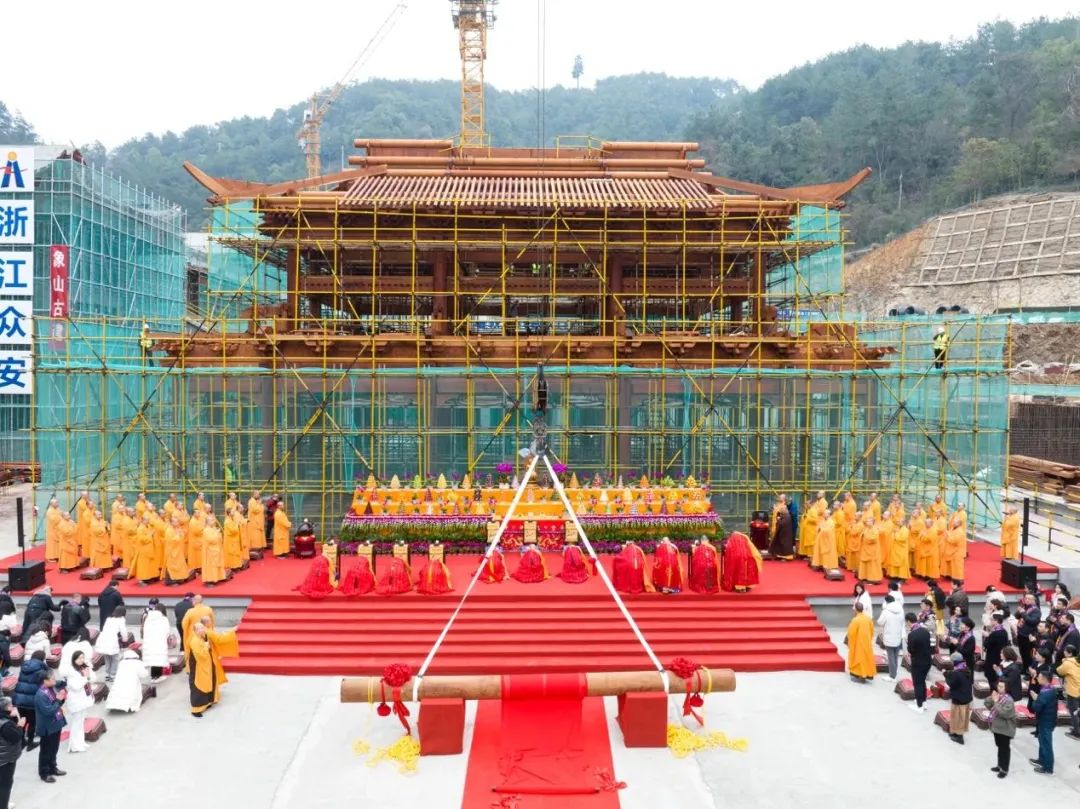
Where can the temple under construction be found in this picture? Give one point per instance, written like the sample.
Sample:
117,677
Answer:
389,318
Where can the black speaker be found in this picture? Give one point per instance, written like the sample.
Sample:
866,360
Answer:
19,522
1019,575
24,576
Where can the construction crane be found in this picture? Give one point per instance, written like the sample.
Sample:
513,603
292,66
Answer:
472,18
308,134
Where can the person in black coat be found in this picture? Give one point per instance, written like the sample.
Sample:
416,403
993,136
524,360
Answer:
74,616
31,673
960,680
921,648
1012,673
11,747
965,644
993,645
180,610
1029,615
39,604
7,603
108,600
1068,635
49,718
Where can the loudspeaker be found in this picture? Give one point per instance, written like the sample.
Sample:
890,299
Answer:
19,522
26,575
1016,574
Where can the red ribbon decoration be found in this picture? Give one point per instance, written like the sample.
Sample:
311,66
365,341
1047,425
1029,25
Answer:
689,671
395,675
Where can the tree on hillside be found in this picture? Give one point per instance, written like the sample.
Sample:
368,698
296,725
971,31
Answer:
14,128
579,68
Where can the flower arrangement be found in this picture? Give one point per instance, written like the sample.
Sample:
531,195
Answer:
559,468
504,471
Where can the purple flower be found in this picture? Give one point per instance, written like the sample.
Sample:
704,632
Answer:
504,468
560,468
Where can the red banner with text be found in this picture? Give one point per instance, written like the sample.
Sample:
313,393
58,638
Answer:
59,261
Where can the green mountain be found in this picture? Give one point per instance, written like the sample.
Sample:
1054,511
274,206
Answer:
941,124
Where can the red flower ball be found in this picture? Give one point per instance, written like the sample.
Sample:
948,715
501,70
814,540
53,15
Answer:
696,701
397,674
383,709
682,667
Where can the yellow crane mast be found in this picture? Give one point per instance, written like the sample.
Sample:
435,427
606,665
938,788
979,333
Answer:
472,18
308,135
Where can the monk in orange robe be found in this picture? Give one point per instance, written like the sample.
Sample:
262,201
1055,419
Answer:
575,567
628,571
434,578
53,518
396,579
358,579
316,585
927,556
896,567
144,562
825,551
213,556
952,564
196,529
177,570
198,614
256,525
233,547
839,520
281,531
494,567
705,567
870,551
886,532
100,544
1010,534
84,521
860,639
855,530
667,572
69,543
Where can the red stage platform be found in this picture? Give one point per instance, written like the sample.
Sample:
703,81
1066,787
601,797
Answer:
512,627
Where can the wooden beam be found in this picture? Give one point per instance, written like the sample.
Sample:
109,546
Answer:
600,684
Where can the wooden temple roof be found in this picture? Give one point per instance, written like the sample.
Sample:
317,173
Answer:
435,174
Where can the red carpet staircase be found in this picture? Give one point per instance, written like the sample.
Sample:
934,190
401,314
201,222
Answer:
515,634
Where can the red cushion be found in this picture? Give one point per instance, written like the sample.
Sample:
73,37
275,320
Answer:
1024,717
981,718
93,727
941,719
8,684
905,689
100,691
17,654
981,689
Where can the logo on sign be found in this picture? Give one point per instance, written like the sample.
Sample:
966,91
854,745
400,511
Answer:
12,178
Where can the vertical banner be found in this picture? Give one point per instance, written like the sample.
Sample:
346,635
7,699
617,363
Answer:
59,263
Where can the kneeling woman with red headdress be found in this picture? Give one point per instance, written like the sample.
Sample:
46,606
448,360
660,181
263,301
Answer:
397,578
434,579
705,568
494,567
742,563
628,570
358,580
576,567
317,584
667,573
531,569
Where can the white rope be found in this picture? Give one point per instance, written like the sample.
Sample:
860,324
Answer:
607,581
476,576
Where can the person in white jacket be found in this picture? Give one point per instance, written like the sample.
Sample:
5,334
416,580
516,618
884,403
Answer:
80,697
891,622
39,641
109,642
155,641
126,693
79,643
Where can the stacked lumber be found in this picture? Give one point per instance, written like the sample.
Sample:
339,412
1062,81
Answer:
1045,476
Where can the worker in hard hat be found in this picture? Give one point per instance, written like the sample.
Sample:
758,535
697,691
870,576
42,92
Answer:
941,347
146,343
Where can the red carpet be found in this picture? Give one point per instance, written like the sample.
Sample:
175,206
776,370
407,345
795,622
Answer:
483,773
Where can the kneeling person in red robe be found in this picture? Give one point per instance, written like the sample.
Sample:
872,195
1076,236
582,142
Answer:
494,567
628,570
396,580
358,580
576,568
317,584
742,564
531,569
667,573
434,579
705,568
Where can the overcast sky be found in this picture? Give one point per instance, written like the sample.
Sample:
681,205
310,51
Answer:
116,69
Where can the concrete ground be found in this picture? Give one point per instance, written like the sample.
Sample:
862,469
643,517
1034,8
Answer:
815,740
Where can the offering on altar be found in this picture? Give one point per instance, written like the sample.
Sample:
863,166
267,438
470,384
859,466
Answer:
574,481
395,483
441,483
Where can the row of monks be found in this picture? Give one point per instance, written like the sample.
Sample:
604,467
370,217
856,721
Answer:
169,543
737,569
877,540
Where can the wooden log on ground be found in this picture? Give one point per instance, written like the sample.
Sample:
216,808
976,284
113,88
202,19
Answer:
489,686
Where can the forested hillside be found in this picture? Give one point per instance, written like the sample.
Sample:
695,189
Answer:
940,124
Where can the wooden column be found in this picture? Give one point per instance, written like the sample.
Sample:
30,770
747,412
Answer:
757,279
440,324
292,291
613,326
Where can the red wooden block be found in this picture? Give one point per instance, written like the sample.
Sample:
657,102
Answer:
100,691
881,662
93,727
17,654
643,719
941,719
52,659
1024,717
441,726
905,689
9,683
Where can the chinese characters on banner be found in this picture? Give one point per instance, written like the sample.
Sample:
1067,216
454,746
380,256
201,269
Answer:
59,261
16,269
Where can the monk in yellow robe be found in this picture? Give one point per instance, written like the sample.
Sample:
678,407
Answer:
53,518
81,505
84,523
850,508
875,507
952,563
118,507
128,539
230,503
198,505
855,531
144,563
140,507
1010,534
203,659
168,510
196,529
916,527
281,531
176,566
886,531
896,508
233,547
840,527
195,615
158,525
961,515
860,643
100,543
223,644
938,509
941,531
256,526
69,543
870,551
825,552
213,556
808,529
927,555
116,533
897,566
245,537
